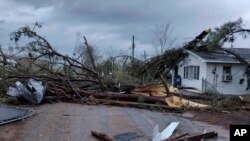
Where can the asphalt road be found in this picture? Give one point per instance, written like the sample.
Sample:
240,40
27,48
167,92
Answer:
73,122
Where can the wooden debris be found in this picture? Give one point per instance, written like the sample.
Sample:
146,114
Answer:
244,99
102,136
247,108
155,107
193,97
70,80
175,101
153,90
175,137
198,137
124,97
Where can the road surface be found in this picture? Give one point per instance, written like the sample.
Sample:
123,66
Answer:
73,122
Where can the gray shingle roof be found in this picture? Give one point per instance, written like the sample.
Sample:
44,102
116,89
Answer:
221,56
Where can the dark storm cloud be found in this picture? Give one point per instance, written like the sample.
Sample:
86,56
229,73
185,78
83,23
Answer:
110,24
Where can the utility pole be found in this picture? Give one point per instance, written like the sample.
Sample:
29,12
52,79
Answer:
133,48
145,55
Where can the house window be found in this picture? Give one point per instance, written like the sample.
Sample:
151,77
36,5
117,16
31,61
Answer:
196,72
227,70
227,77
191,72
186,72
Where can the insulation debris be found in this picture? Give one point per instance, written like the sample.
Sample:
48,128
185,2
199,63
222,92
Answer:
31,90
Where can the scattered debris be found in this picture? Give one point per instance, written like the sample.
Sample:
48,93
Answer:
245,99
198,137
179,136
153,90
32,91
80,83
10,114
247,108
155,107
166,133
230,103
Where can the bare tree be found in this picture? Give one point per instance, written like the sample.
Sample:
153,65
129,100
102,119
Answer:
81,52
162,38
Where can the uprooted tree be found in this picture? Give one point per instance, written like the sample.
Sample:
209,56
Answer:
40,60
207,41
69,79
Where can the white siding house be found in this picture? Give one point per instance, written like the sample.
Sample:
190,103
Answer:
217,72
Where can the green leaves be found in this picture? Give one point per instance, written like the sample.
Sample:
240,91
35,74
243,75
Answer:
226,33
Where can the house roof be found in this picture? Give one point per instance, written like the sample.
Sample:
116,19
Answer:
221,56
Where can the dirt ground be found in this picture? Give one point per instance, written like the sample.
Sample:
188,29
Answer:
223,119
73,122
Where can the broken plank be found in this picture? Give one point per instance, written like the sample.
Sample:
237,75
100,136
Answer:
199,137
102,136
179,136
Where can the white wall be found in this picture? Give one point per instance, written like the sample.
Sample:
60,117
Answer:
234,87
196,61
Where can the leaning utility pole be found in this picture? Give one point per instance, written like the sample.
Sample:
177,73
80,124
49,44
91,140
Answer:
133,48
145,55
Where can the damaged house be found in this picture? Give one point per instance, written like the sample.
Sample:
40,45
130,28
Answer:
216,71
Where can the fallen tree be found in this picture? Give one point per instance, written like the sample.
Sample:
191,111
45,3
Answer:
167,61
70,80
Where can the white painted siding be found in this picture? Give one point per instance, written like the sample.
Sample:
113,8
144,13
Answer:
195,61
234,87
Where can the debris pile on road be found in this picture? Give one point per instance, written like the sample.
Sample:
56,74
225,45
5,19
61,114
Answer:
68,79
168,134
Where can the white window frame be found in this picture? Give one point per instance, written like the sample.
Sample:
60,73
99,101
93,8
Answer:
191,72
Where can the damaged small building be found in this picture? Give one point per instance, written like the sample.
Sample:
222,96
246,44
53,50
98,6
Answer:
216,71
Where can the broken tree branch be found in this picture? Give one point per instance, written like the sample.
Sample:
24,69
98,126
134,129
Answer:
156,107
125,97
167,61
164,83
93,64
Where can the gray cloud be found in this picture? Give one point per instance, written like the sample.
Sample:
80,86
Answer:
109,25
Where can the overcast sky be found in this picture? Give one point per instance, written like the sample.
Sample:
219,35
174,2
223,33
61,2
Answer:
110,24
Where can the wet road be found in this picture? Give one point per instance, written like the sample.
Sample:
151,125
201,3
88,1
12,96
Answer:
73,122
